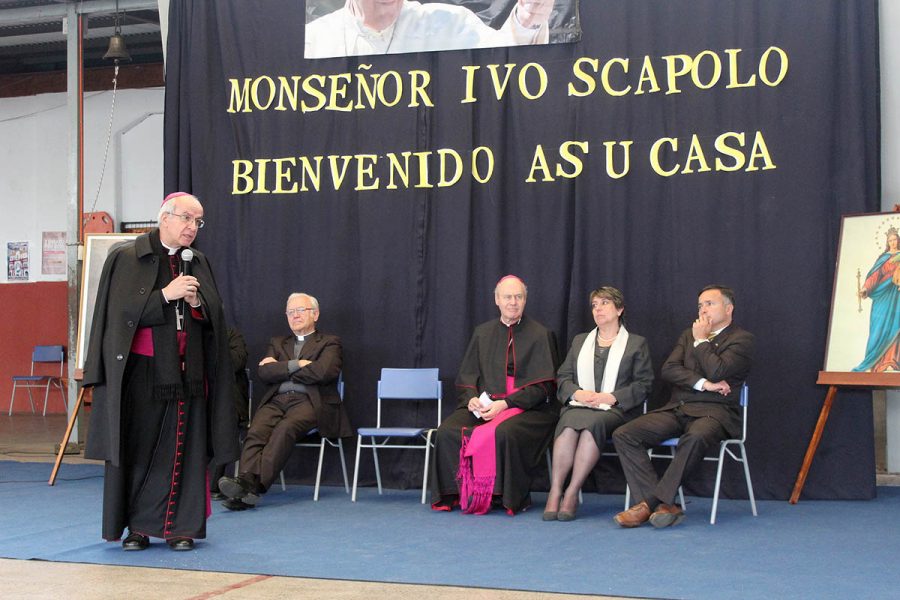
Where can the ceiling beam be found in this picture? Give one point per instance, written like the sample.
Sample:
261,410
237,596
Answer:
56,12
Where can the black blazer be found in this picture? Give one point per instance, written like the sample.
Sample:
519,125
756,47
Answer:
633,381
728,356
320,378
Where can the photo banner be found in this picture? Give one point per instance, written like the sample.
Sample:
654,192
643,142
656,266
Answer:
673,145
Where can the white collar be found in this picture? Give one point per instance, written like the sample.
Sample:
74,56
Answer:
171,250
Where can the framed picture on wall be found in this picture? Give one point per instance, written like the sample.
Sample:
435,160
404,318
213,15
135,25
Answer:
96,248
864,328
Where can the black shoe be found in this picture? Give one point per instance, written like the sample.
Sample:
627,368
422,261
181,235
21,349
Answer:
181,544
217,496
237,488
235,504
135,541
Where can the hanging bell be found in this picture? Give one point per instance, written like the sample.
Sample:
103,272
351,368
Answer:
117,49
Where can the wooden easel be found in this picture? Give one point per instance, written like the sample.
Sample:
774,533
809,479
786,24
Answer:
62,446
834,381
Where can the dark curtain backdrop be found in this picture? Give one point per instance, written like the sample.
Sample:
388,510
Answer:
403,275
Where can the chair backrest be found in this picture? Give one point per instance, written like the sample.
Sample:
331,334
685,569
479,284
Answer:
745,400
409,384
47,354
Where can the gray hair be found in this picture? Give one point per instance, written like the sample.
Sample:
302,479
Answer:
295,295
169,205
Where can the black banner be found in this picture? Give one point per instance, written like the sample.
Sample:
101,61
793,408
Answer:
676,144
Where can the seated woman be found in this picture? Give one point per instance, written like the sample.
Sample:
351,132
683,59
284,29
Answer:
603,383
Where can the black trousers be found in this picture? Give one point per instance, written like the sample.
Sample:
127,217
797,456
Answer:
275,427
634,438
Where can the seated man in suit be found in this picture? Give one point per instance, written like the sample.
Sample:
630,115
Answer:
707,368
302,372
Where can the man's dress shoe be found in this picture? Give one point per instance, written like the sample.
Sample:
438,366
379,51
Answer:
238,489
181,544
635,516
135,541
235,504
666,515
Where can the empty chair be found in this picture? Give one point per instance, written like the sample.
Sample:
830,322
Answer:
725,449
42,356
400,384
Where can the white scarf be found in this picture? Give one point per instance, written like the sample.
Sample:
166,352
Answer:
585,367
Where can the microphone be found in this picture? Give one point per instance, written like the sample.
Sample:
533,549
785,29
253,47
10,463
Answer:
187,255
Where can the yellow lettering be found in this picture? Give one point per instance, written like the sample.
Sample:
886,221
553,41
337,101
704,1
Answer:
610,159
539,163
736,154
542,81
565,154
605,76
654,156
733,77
283,175
760,151
578,71
241,181
239,96
764,64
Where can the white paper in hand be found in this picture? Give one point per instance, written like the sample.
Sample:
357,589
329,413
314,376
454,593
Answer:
485,402
598,407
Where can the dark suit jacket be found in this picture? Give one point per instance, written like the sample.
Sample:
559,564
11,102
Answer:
320,378
728,356
633,381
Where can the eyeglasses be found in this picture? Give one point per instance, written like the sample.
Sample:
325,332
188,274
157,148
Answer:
297,311
188,219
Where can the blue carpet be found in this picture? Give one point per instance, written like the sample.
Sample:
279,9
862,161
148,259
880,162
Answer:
816,549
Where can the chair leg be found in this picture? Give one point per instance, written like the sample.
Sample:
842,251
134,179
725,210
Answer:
627,497
283,487
340,446
356,467
319,469
12,398
46,397
377,467
715,504
747,477
427,463
31,400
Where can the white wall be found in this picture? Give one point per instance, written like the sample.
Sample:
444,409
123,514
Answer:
34,152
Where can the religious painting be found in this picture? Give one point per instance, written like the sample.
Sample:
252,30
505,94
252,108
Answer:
365,27
97,247
864,329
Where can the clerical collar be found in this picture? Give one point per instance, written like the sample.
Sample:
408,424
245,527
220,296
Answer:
513,324
300,338
171,250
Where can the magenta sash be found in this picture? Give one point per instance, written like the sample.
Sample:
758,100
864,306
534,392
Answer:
478,460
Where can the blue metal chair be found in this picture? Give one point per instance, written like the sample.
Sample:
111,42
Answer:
41,355
400,384
724,449
314,440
